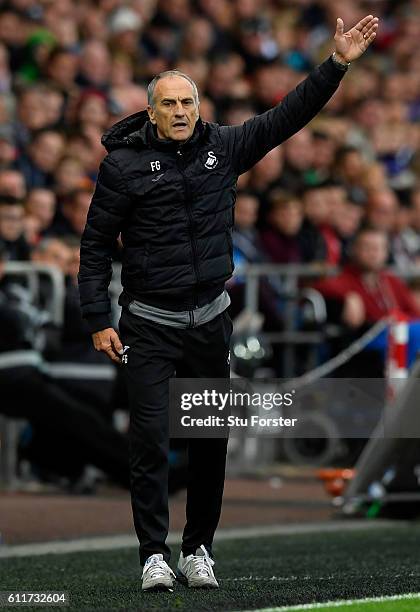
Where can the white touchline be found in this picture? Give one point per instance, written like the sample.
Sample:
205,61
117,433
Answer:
336,604
113,542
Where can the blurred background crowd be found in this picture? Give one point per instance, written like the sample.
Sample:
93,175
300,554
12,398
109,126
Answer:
69,69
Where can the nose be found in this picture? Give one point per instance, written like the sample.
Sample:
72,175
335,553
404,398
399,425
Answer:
179,110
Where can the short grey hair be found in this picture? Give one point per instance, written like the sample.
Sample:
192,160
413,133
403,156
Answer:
169,73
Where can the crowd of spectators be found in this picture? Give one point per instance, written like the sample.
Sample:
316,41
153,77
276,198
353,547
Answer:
69,69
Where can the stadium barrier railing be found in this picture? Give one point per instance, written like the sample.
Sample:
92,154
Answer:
289,282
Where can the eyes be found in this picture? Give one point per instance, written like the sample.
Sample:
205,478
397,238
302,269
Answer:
168,103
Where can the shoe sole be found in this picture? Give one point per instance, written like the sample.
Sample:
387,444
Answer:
158,588
184,580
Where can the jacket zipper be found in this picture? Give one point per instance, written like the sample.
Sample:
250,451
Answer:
190,219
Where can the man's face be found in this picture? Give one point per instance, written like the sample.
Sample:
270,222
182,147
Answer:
287,217
382,211
246,211
317,205
175,110
47,150
56,254
11,222
371,251
12,183
77,211
41,204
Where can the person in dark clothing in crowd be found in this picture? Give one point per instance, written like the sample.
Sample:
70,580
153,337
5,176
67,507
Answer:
41,204
319,214
286,240
44,153
12,183
347,222
246,238
71,218
12,228
248,248
29,393
168,186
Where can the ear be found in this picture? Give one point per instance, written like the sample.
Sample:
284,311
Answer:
151,114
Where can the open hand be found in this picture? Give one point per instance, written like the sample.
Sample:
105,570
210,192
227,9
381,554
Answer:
350,45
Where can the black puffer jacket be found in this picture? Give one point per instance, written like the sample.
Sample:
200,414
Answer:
173,203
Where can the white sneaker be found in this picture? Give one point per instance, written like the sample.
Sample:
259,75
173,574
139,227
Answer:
157,574
196,570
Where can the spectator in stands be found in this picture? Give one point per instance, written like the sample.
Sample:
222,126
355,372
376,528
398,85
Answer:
69,176
12,183
92,109
349,214
364,290
266,175
61,69
52,251
320,212
247,243
31,230
298,159
12,228
405,240
95,65
41,204
324,150
248,247
74,211
7,147
32,113
381,210
285,240
350,166
44,153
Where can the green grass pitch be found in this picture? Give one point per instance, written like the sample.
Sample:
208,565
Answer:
255,573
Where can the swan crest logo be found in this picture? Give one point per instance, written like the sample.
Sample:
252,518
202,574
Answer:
211,161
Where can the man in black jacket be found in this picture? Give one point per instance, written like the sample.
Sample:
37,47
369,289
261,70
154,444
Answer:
168,186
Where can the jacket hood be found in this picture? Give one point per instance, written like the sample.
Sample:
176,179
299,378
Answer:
136,131
126,132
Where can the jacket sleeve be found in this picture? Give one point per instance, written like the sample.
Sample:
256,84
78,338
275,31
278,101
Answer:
249,142
109,207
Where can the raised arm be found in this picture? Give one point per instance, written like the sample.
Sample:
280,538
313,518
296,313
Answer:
248,143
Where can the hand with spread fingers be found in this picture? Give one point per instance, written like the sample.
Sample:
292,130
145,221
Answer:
107,341
352,44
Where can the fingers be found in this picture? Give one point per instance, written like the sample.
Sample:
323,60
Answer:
370,38
370,33
340,27
364,22
116,342
108,350
111,354
107,341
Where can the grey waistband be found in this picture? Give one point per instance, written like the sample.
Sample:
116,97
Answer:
184,319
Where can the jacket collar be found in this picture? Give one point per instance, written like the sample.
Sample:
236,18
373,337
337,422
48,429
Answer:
137,131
